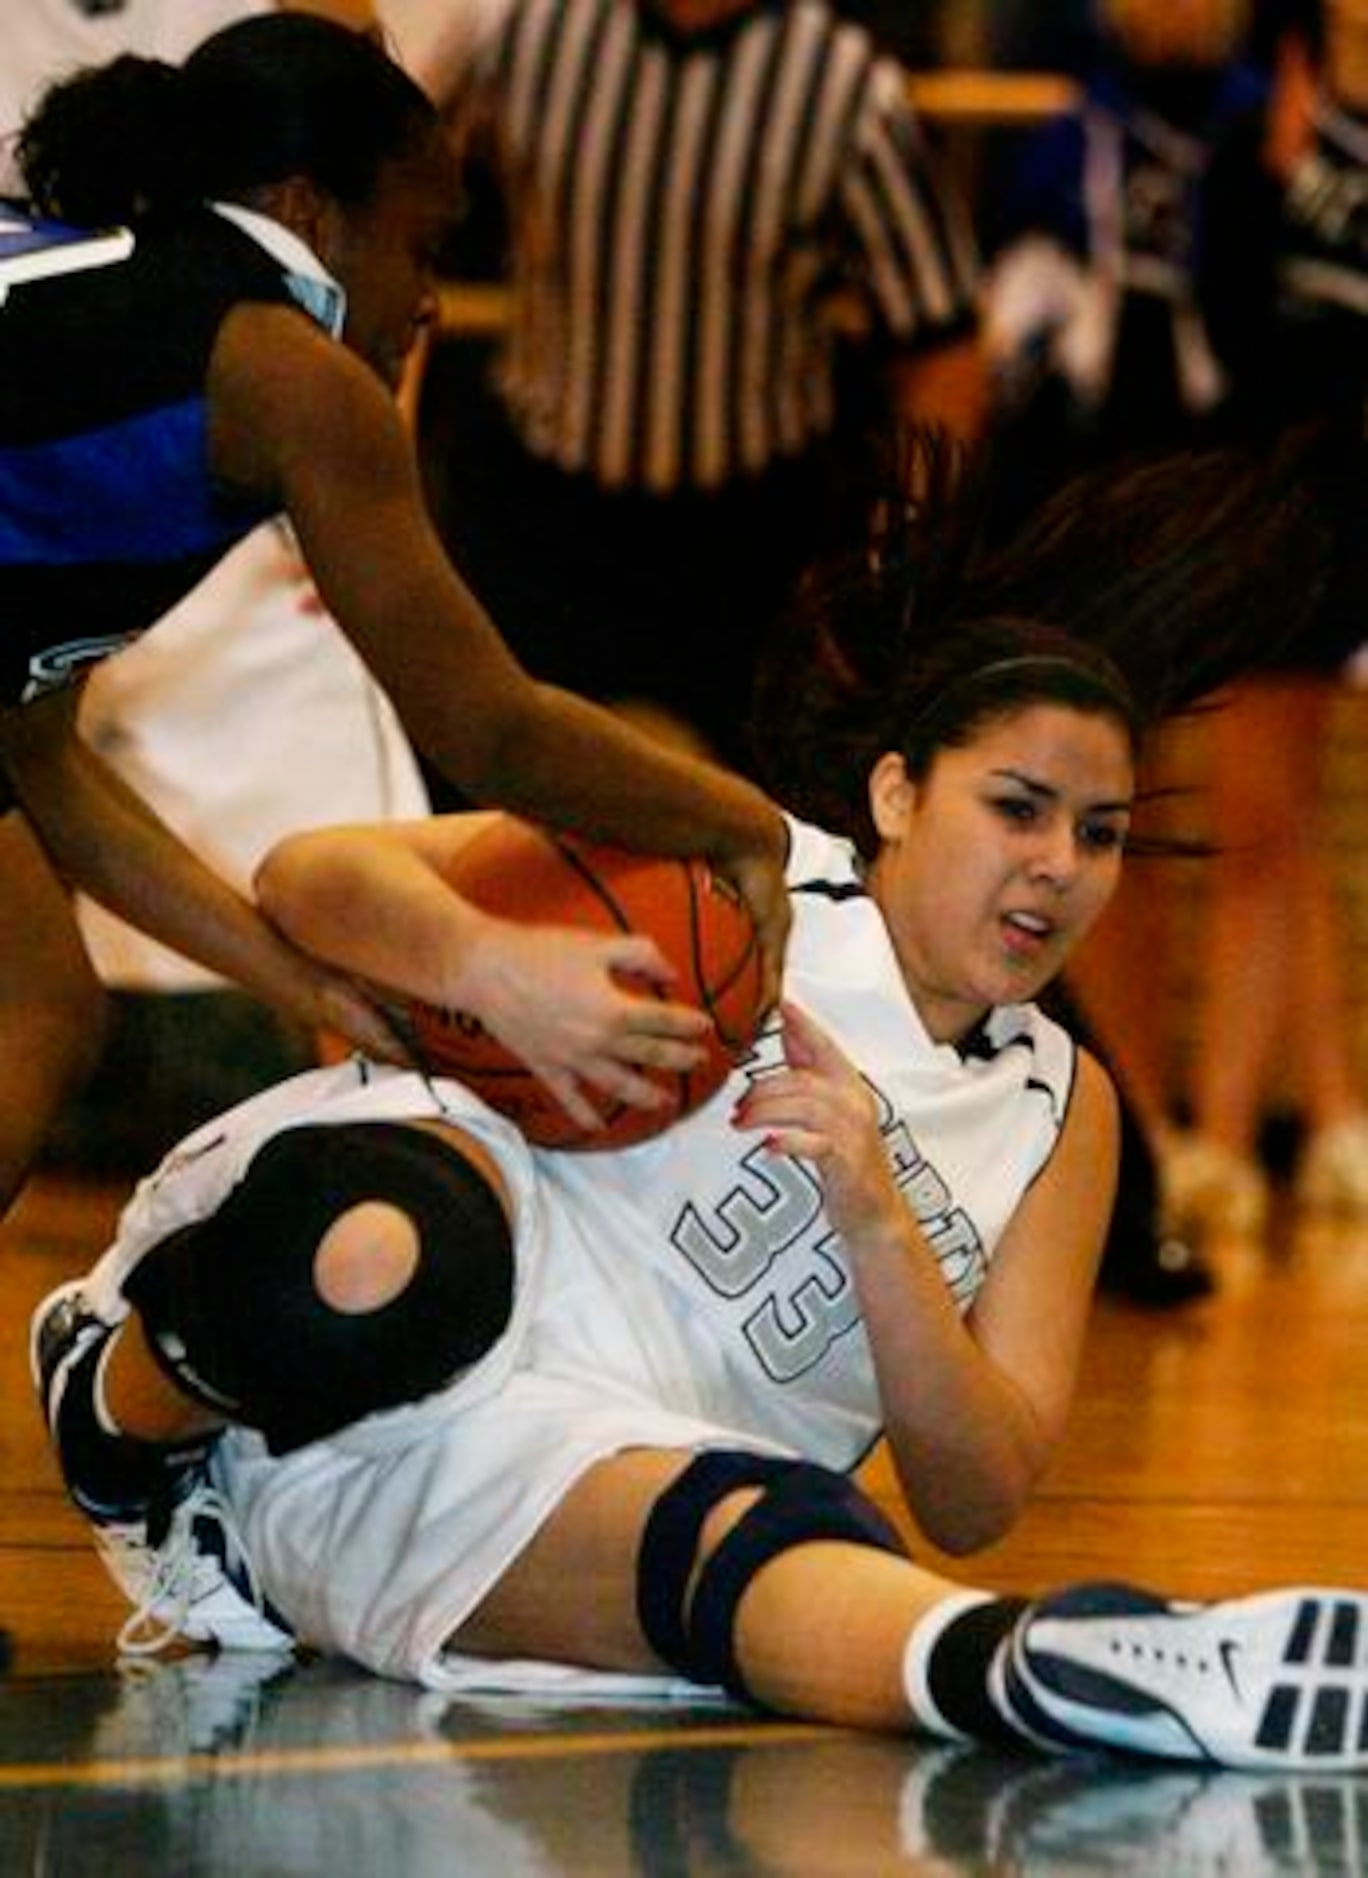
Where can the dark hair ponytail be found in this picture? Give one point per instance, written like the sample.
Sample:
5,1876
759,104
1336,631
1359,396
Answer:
274,96
110,143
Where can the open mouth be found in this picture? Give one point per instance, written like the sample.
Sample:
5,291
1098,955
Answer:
1027,933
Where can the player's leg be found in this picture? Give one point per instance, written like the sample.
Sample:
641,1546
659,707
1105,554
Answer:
597,1539
305,1302
51,1004
779,1581
1276,957
1251,903
1332,1173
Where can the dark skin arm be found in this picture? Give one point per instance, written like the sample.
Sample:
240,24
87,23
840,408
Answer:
300,421
101,836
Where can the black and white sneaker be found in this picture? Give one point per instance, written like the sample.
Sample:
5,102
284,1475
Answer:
1277,1679
163,1531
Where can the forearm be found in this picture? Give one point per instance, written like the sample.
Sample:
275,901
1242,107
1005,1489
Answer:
965,1443
575,765
367,902
964,1438
503,739
295,420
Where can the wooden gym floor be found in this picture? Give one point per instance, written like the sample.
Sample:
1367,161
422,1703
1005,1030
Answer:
1220,1448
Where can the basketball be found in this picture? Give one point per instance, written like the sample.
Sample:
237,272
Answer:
519,871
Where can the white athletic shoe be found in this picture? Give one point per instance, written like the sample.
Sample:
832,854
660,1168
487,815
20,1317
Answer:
165,1535
195,1580
1278,1679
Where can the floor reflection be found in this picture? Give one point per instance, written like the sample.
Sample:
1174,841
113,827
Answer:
253,1765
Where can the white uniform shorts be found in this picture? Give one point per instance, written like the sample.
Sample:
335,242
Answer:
378,1542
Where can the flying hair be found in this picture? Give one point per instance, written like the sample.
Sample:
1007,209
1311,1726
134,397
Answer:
1135,592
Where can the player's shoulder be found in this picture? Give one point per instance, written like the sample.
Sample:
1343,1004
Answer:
1094,1091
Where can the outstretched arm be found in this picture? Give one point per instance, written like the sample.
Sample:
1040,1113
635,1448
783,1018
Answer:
298,419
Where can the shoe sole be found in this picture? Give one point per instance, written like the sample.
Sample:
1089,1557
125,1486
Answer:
1277,1680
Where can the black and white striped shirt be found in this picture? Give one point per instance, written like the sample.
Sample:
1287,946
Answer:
693,221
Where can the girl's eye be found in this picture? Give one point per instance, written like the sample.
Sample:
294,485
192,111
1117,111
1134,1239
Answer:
1015,808
1102,837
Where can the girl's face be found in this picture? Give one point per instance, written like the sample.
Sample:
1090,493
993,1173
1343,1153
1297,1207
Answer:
995,864
385,253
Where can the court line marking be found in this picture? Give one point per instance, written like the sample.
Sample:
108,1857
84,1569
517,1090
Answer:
251,1763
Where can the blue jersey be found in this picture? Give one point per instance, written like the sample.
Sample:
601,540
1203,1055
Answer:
108,512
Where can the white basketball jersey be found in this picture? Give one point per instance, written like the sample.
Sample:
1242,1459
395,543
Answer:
744,1260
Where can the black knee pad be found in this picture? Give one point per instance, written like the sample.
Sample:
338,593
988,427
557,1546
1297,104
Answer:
232,1313
799,1502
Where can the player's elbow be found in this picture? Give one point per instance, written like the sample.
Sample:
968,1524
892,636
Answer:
970,1528
286,880
974,1500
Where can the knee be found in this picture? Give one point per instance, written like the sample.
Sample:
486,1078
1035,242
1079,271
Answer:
714,1529
367,1258
353,1268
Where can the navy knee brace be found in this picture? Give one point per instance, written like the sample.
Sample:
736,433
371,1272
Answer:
798,1503
232,1313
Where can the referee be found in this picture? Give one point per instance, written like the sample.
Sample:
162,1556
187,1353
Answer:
723,227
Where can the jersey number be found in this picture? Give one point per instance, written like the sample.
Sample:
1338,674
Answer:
770,1216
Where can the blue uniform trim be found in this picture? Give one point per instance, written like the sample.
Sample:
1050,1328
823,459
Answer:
109,513
133,491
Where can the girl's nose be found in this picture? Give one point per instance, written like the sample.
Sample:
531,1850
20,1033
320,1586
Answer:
1057,857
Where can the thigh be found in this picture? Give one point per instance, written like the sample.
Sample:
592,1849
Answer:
570,1596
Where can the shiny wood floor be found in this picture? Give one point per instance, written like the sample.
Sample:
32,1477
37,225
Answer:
1220,1448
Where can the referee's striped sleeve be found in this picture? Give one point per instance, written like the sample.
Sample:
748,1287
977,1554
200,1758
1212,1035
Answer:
688,220
921,263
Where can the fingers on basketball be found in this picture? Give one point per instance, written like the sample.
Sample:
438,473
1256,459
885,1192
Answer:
522,872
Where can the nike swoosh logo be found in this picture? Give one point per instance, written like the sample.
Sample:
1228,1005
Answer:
1229,1653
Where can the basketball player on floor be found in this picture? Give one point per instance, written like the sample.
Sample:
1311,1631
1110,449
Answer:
501,1416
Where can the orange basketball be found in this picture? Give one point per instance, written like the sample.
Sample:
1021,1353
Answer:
523,872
